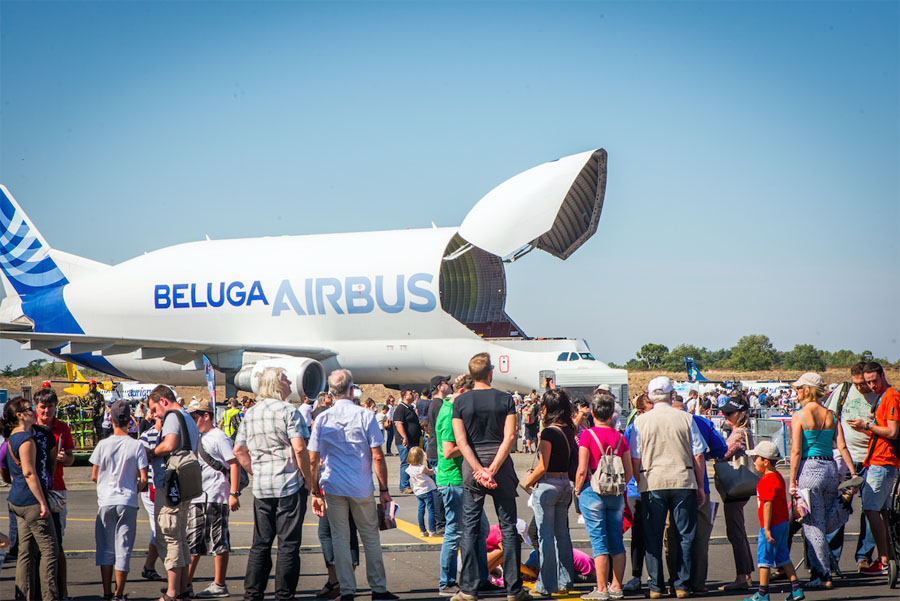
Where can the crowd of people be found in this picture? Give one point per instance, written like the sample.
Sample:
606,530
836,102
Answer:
647,472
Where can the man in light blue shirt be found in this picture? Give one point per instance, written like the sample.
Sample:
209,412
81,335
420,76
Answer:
344,444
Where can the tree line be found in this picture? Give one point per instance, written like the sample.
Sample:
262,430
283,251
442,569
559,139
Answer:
45,369
754,352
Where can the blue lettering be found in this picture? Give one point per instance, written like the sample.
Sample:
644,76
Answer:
209,295
237,299
178,301
256,293
358,289
285,299
194,301
427,295
161,297
333,296
379,295
310,305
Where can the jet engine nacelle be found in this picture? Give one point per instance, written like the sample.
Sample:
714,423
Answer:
306,375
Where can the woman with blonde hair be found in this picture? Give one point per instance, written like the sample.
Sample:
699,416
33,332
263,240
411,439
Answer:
814,434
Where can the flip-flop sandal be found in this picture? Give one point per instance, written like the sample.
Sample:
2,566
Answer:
166,597
852,483
150,574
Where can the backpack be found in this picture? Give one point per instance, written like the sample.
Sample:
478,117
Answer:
183,480
529,415
224,469
609,477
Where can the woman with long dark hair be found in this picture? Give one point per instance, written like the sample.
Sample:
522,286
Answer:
551,486
28,502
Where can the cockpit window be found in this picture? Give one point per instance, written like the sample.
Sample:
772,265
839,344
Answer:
562,356
587,357
573,357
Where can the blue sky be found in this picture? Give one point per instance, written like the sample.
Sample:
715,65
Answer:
754,148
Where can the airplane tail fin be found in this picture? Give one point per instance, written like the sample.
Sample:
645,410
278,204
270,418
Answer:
25,261
693,373
73,374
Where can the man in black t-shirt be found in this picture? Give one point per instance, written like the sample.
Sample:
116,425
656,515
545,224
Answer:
409,432
484,425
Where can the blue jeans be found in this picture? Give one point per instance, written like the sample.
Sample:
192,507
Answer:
551,498
403,452
388,439
682,503
426,501
473,514
603,518
452,496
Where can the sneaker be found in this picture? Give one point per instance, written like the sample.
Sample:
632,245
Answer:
815,583
214,590
862,564
680,594
461,596
384,596
596,595
522,595
632,586
657,594
758,596
448,591
875,569
424,533
616,595
795,595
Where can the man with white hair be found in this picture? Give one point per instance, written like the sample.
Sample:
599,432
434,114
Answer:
271,446
667,454
344,445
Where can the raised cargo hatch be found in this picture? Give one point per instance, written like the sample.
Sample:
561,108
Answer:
555,207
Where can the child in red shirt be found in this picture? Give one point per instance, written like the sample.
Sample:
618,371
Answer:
774,523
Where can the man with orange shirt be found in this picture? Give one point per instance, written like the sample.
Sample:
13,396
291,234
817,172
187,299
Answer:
882,461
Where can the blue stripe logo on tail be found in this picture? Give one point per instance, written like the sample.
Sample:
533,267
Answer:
24,259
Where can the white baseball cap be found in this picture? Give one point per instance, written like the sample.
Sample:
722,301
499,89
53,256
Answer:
660,384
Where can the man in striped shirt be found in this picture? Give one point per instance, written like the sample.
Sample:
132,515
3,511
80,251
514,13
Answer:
271,446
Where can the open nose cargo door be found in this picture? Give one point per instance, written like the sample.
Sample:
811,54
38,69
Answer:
554,206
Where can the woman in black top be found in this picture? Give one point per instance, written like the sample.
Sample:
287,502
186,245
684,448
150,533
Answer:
551,488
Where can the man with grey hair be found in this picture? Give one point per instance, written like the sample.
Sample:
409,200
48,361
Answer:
667,451
344,445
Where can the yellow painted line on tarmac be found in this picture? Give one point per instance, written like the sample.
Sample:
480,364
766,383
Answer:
413,531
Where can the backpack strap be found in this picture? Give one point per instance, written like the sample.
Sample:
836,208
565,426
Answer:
185,435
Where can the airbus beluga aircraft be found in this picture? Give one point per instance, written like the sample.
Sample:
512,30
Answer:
395,307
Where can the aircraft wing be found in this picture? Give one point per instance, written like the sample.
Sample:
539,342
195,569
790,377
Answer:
180,352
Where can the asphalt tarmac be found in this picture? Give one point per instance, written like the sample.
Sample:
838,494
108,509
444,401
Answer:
411,561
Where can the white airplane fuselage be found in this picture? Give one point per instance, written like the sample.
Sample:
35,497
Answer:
395,307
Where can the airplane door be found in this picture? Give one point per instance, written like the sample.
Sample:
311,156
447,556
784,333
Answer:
543,375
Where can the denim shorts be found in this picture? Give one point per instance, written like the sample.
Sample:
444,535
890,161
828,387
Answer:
773,556
603,516
876,492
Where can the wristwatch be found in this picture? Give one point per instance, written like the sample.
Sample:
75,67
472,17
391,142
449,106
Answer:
235,494
868,427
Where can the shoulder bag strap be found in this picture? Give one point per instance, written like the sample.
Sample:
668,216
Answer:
212,461
845,390
563,434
